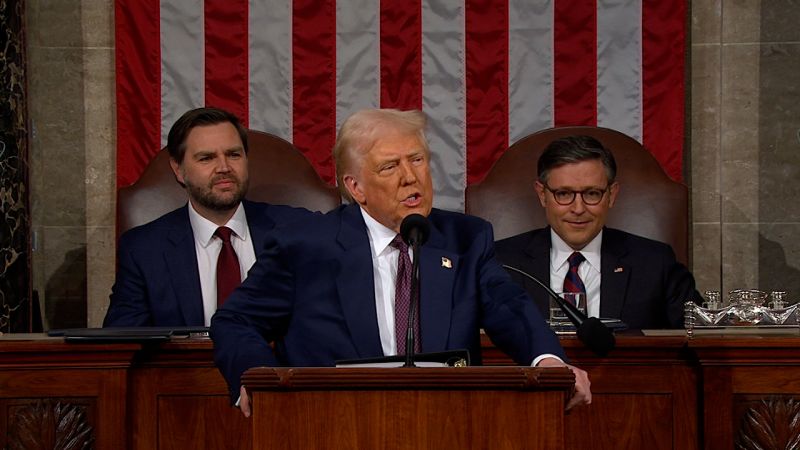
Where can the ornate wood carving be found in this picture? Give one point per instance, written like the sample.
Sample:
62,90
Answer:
773,423
50,424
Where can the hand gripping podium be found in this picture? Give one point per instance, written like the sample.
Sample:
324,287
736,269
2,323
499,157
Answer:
408,408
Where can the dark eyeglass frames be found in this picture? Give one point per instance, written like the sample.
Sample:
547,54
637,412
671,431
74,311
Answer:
591,196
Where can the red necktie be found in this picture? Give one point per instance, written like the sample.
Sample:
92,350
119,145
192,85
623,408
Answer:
402,299
572,282
228,273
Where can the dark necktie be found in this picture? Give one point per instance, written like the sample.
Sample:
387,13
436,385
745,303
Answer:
402,298
228,273
573,282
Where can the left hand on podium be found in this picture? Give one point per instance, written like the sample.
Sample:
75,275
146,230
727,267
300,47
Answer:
582,395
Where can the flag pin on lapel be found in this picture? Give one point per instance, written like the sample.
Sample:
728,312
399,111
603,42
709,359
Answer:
618,270
446,263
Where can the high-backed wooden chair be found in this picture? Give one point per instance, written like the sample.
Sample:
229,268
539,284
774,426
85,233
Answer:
279,174
649,203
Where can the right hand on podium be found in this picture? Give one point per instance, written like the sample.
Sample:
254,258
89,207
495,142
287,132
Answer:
244,402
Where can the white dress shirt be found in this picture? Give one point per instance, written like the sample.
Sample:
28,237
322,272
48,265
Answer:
589,270
384,272
207,247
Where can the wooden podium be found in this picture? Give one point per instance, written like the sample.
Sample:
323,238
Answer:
409,408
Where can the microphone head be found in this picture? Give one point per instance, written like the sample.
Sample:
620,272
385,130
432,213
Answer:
415,229
596,336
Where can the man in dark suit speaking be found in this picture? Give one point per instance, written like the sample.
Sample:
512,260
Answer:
175,270
624,276
326,289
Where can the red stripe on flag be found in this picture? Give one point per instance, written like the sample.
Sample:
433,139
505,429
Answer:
575,62
314,79
401,54
663,66
486,42
138,66
226,71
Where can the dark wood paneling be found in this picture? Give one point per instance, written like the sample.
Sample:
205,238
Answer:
90,378
396,411
184,407
738,374
650,392
201,422
629,422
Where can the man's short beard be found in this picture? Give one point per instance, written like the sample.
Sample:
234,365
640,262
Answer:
208,199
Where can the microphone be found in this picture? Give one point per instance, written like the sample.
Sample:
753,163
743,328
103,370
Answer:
414,230
590,330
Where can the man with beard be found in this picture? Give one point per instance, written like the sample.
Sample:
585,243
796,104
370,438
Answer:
168,269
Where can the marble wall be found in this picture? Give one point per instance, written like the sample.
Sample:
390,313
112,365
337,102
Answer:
71,101
745,144
15,304
741,166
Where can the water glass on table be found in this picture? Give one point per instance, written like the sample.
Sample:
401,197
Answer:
557,316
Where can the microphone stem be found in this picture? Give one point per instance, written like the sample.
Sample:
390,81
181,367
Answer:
573,314
413,306
590,330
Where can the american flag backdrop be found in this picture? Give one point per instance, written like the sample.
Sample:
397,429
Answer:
486,72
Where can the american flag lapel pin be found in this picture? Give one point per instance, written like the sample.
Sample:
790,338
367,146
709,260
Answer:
446,263
618,270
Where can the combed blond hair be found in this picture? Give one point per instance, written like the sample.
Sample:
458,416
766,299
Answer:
363,129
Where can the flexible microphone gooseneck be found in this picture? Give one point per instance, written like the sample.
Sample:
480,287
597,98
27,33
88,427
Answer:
414,230
590,330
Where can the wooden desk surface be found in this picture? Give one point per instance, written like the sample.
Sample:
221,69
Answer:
651,392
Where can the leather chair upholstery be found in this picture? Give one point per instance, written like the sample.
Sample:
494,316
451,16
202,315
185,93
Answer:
649,203
279,174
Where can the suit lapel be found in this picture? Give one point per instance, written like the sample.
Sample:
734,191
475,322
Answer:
181,261
355,284
437,273
614,274
538,250
258,222
538,264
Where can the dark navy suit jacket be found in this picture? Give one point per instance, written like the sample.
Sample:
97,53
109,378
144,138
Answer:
158,283
641,282
312,293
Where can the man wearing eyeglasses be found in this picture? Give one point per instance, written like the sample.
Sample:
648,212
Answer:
626,277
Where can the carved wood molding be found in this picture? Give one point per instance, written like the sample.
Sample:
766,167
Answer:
50,424
773,423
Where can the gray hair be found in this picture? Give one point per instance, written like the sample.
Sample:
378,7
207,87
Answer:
362,130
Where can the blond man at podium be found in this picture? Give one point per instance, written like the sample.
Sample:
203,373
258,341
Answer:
332,287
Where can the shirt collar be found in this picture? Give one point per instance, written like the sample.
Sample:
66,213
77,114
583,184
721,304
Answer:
203,229
560,251
380,236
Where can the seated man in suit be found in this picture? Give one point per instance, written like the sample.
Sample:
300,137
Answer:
167,269
624,276
326,289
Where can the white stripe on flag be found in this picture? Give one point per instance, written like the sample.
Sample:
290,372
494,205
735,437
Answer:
619,66
530,67
182,60
444,99
357,57
270,62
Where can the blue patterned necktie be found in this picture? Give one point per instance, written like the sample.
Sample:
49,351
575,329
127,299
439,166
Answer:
573,282
402,299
